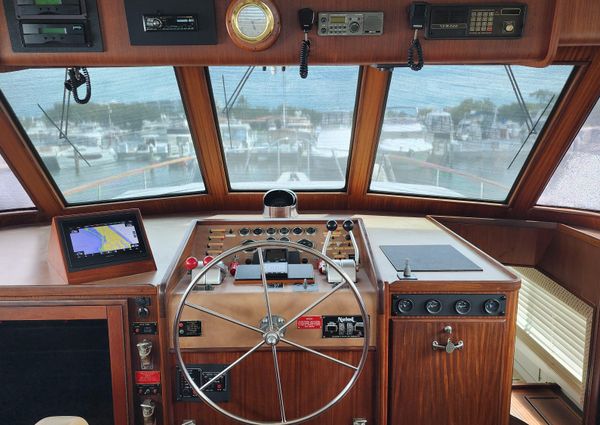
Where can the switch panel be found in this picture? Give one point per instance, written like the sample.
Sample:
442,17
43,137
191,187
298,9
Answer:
218,391
144,328
343,327
190,328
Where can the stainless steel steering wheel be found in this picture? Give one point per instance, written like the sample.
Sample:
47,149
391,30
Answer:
273,333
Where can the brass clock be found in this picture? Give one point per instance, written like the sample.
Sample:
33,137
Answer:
253,24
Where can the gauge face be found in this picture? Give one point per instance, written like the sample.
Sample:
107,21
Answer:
297,231
284,231
433,306
311,230
258,231
492,306
244,231
253,21
462,307
271,238
306,242
271,231
405,305
284,239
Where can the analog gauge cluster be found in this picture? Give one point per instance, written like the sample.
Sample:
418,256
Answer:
448,305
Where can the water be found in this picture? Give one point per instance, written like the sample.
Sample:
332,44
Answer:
274,100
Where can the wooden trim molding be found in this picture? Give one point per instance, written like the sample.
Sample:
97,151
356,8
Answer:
26,167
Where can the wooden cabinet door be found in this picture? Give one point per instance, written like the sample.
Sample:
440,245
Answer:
467,387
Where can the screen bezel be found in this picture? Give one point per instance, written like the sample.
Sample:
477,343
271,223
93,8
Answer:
77,264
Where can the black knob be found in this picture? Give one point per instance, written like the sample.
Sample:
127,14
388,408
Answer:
348,225
331,225
143,312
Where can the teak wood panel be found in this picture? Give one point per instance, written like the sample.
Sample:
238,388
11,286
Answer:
308,383
537,46
579,22
467,387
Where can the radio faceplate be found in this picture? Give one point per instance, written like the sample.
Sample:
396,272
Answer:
476,21
350,23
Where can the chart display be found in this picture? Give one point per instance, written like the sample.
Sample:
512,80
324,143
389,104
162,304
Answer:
104,239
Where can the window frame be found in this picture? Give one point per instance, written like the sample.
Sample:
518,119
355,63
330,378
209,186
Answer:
355,112
8,110
516,186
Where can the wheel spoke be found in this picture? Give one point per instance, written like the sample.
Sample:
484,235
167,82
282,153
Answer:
313,305
232,365
279,387
310,350
223,316
263,276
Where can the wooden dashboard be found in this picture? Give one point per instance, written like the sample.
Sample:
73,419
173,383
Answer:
401,367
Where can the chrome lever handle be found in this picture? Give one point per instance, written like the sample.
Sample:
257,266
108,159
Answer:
449,347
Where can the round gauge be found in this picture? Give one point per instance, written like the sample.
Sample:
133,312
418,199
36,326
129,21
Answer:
246,242
311,230
404,305
253,24
297,231
284,231
244,231
462,307
258,231
284,239
433,306
492,306
271,231
271,238
306,242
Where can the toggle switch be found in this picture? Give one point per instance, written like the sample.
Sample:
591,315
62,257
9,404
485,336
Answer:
144,351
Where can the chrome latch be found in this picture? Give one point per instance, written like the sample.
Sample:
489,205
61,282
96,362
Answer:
450,346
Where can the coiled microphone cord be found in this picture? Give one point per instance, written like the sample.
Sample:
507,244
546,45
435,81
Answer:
76,79
415,47
304,53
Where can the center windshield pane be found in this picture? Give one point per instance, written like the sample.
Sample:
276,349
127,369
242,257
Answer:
463,132
132,140
278,130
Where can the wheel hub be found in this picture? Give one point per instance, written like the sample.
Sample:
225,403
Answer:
272,338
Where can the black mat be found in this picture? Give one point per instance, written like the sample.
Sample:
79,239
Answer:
428,258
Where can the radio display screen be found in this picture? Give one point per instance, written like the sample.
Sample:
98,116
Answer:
47,2
102,240
339,19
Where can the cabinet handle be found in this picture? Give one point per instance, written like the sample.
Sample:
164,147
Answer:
449,347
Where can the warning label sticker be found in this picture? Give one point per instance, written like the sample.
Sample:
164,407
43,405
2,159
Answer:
309,322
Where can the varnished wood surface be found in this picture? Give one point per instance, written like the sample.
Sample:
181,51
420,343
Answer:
432,387
511,242
540,405
579,22
308,383
536,47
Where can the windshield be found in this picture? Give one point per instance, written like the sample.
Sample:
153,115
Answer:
278,130
463,132
131,140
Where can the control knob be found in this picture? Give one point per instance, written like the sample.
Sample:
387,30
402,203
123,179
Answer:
331,225
190,264
348,225
354,27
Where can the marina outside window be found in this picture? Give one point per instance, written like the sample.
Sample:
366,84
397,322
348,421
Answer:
463,132
130,141
278,130
575,181
12,195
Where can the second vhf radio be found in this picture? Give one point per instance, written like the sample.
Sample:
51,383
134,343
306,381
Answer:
350,23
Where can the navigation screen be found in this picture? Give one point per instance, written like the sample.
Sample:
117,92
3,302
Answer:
97,240
104,239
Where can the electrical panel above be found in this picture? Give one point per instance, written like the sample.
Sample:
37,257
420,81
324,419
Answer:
53,25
